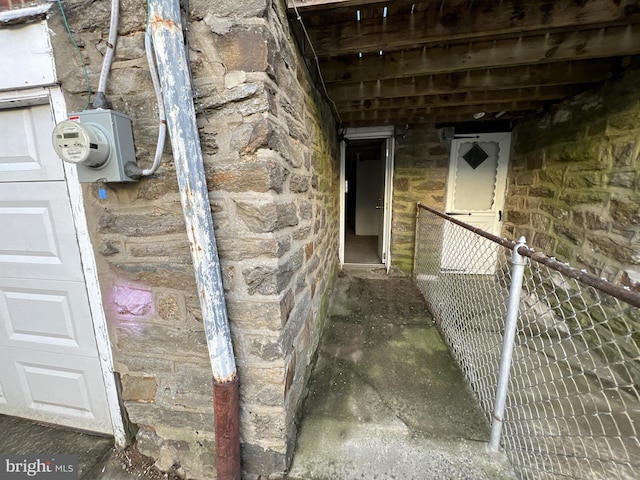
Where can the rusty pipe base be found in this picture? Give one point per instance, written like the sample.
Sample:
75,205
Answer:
227,429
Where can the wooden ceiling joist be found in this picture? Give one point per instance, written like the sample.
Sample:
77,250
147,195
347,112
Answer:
307,5
460,111
461,98
416,61
478,80
464,22
578,45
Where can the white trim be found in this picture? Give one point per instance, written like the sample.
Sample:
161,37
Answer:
343,192
89,268
10,15
388,200
370,133
24,98
365,133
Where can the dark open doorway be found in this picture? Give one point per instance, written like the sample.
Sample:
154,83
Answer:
364,196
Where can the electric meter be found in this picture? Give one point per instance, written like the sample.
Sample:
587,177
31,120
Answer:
81,144
99,142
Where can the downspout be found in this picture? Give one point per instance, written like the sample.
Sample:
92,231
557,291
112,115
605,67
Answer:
173,70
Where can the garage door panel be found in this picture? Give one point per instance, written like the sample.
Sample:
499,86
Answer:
66,389
39,239
27,153
47,315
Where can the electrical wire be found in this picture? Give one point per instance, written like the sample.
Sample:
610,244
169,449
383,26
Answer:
162,125
84,66
100,100
315,57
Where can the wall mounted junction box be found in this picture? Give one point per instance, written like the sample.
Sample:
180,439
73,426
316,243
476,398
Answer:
99,142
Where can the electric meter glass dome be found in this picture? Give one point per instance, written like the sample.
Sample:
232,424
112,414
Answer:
81,143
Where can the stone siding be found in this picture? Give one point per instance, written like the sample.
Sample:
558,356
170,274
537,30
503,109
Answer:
420,175
271,158
574,183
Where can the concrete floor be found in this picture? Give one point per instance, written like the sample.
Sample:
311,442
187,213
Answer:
386,399
386,402
97,458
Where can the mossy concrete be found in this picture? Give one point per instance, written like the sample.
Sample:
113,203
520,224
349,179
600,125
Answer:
386,399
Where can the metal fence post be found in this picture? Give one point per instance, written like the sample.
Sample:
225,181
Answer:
510,327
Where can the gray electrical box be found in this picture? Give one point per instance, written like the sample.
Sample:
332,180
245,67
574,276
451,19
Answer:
99,142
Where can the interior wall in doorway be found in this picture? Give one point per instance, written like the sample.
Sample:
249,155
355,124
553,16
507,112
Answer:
364,173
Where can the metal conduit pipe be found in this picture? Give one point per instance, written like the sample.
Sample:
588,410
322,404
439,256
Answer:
100,101
173,70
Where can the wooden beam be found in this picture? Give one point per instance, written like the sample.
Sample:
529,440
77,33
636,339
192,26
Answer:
304,5
548,74
386,117
461,98
464,21
580,45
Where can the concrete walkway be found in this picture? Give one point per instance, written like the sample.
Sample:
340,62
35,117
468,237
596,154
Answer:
386,399
97,458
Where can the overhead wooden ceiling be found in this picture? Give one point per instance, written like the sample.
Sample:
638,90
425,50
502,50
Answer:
403,62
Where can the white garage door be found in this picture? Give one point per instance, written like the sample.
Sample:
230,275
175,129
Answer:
49,365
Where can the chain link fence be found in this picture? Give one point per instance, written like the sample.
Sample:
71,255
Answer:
573,403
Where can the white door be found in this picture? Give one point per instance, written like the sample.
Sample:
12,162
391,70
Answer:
49,365
475,195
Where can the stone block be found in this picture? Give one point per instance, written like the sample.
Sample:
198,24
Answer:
575,236
305,211
162,183
164,275
622,179
591,221
540,222
143,365
541,192
245,49
190,387
139,388
517,217
262,280
624,154
231,248
626,211
141,224
593,197
160,340
263,346
258,424
179,423
525,178
615,248
109,248
554,176
177,249
543,242
261,386
299,183
260,461
583,180
256,315
267,216
248,177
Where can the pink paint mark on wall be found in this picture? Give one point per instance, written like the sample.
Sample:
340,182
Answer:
131,302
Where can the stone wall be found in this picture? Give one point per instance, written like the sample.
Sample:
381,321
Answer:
420,175
574,183
270,153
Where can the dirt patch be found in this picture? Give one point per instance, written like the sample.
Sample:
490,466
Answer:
140,466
